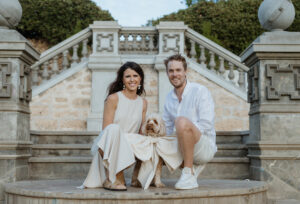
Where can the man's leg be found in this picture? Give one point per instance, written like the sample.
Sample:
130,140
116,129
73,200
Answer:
188,135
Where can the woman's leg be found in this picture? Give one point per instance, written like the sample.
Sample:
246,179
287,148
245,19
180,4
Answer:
119,184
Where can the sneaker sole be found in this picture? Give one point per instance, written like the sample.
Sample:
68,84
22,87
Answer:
186,188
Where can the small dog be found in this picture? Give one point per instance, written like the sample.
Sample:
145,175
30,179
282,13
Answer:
153,126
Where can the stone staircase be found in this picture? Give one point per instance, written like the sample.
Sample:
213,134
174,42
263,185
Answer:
66,155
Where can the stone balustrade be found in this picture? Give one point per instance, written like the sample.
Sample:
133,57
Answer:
138,40
141,41
61,57
216,59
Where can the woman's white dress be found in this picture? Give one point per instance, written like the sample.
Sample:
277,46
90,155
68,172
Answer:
118,154
121,143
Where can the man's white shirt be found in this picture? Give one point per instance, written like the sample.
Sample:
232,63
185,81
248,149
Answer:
197,105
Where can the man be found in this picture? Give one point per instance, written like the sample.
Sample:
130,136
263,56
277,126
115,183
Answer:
189,112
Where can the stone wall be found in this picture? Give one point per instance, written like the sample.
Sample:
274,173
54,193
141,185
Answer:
66,105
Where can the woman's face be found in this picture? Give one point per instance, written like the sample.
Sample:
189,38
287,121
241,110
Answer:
131,79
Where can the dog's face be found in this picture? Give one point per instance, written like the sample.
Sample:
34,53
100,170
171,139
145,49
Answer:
154,126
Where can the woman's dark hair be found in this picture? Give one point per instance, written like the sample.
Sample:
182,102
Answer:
117,85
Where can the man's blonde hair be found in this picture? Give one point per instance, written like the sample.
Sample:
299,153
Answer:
176,57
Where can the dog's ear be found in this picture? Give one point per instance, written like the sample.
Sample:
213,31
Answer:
162,128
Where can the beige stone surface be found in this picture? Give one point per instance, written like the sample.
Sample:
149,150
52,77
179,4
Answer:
209,191
66,105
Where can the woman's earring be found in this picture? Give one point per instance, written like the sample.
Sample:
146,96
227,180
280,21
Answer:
123,86
139,87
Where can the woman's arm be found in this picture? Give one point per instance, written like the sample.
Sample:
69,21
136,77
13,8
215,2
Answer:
110,107
145,103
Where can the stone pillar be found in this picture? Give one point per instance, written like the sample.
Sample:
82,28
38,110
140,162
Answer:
103,63
274,95
171,41
16,57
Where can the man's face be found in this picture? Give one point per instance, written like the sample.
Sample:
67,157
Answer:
176,73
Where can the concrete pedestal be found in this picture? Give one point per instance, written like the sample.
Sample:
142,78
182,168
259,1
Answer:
16,57
274,94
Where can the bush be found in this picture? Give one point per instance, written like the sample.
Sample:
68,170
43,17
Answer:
56,20
233,24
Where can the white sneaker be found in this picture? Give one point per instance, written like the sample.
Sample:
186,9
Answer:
187,180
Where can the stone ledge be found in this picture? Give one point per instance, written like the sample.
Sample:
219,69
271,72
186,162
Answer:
88,146
61,146
87,159
64,133
56,133
272,157
22,156
66,189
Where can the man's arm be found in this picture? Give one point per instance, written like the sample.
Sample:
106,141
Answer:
168,120
206,111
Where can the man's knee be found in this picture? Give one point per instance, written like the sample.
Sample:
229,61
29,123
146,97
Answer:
181,124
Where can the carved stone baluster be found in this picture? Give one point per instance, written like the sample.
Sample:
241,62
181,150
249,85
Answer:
221,66
65,62
45,73
151,43
193,49
143,42
135,46
212,63
126,46
241,80
231,73
35,76
84,51
75,55
202,56
55,69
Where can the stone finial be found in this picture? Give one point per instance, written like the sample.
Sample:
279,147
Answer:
276,14
10,13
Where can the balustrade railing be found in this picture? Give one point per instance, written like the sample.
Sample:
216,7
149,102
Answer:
142,40
61,57
216,59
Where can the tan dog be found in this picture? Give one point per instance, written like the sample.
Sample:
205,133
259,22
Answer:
153,126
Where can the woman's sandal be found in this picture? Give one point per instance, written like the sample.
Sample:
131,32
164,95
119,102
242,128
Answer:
114,186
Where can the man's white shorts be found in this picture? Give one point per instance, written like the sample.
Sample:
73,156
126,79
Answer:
204,150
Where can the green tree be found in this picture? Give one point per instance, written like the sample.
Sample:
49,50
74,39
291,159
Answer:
56,20
233,23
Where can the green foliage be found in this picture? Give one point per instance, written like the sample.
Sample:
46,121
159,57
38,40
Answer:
56,20
233,24
296,24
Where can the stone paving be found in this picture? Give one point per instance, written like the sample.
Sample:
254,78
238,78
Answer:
212,191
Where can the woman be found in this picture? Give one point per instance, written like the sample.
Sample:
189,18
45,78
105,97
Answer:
124,112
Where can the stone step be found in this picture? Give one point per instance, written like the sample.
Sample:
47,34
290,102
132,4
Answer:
224,150
77,167
87,137
63,137
61,150
65,192
231,150
232,137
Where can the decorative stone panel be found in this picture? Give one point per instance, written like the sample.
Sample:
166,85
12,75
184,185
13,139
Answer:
105,42
282,81
5,77
171,42
25,83
253,75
